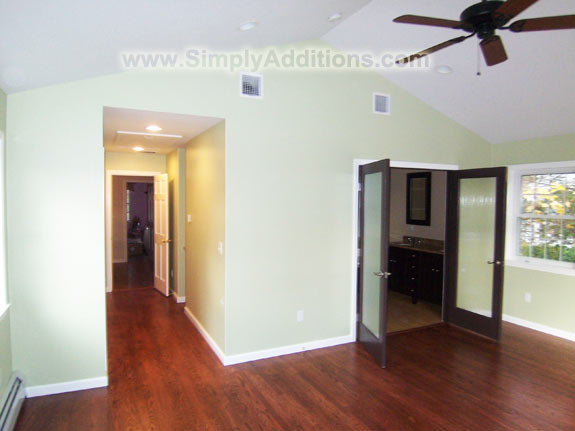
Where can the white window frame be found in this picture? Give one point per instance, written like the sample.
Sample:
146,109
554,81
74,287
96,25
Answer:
512,258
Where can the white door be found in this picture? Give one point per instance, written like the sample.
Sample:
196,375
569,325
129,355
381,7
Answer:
161,232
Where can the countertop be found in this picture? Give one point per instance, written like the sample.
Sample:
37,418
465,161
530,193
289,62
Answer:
416,248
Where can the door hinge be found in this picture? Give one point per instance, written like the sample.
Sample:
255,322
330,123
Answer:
359,187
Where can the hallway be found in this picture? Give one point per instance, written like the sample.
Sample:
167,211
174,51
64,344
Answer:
137,273
164,377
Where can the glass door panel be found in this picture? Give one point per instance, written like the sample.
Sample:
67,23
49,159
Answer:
475,245
370,303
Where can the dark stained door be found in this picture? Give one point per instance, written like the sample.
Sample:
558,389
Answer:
373,262
475,249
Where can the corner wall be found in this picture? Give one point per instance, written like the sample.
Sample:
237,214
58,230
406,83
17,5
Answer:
5,342
553,295
176,168
205,202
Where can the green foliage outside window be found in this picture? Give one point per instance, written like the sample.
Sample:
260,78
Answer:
547,221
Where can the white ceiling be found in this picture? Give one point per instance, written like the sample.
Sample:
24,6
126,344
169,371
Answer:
133,120
47,42
531,95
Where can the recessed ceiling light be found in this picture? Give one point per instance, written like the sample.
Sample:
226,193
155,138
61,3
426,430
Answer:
248,25
444,69
153,128
335,17
138,149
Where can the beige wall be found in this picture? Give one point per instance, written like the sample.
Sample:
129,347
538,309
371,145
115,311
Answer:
398,197
119,223
135,162
553,295
176,168
205,202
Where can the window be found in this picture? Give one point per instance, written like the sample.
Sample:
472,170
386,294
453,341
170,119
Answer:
541,222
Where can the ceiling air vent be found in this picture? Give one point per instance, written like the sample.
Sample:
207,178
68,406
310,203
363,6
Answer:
251,85
381,104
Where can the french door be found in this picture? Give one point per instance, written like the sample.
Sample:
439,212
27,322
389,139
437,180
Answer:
474,251
373,262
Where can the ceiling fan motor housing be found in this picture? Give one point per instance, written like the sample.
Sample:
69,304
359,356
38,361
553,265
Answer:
479,18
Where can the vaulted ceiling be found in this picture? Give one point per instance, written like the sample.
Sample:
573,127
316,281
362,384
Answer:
531,95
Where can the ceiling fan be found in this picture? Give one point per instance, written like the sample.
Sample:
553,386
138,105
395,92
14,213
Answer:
483,19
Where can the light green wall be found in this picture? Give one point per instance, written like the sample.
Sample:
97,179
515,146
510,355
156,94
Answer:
135,162
176,169
205,202
552,149
5,345
553,295
288,225
5,352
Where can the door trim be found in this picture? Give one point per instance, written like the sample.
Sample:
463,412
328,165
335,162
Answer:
108,215
355,222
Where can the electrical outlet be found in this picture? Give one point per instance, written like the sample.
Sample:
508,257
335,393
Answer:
189,218
221,248
528,297
299,317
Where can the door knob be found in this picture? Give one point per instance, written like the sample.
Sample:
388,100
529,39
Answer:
382,274
497,262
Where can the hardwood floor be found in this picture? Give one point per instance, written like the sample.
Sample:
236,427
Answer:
137,273
164,377
402,314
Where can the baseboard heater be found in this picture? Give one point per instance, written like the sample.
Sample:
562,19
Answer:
15,395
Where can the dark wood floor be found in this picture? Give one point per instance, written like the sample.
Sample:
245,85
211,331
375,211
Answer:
137,273
164,377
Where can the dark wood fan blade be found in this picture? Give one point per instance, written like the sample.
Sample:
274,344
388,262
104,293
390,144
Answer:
493,50
425,20
510,9
563,22
435,48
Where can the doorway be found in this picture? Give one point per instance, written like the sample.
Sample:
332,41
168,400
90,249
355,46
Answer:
475,243
134,268
129,229
416,251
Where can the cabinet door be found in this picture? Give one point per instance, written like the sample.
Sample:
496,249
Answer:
397,269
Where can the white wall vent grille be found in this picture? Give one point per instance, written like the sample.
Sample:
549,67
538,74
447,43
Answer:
251,85
381,104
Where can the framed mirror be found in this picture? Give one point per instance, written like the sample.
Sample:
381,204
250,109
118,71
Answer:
418,200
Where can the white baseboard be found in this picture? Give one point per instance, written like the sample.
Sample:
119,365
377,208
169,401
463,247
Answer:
268,353
59,388
539,327
287,350
179,299
206,336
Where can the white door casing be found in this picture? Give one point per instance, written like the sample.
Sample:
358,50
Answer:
161,233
